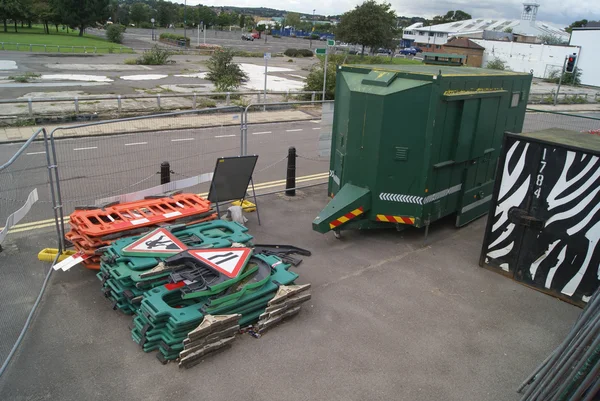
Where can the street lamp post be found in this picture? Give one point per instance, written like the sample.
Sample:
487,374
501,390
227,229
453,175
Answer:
184,21
152,20
313,28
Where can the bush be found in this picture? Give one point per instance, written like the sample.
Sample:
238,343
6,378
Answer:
223,72
114,33
130,61
496,64
567,79
305,52
25,77
155,56
146,25
298,53
314,36
314,81
170,37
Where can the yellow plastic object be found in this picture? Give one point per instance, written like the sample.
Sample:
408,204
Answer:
247,206
48,255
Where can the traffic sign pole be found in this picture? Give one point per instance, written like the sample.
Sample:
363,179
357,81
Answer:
562,72
267,56
325,71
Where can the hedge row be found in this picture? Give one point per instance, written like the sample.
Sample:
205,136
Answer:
173,36
298,53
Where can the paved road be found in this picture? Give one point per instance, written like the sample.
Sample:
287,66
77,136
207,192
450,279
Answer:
223,38
98,167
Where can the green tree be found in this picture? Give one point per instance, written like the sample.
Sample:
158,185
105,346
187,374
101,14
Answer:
223,72
292,19
81,13
242,21
44,12
10,9
139,12
206,15
113,9
123,14
314,81
165,12
552,40
450,16
260,29
369,25
577,24
223,20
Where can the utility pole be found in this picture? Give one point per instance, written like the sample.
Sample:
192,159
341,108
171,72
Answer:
313,25
184,21
562,72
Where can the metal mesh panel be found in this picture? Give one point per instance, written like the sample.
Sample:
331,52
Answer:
536,120
23,169
94,164
271,141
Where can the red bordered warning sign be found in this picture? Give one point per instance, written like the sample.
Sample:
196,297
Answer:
158,242
228,261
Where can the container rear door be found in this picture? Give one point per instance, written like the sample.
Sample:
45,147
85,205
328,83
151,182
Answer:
547,221
477,148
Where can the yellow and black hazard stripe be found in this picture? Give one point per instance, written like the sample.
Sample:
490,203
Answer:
395,219
348,216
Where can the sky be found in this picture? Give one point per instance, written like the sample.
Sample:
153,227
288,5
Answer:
559,12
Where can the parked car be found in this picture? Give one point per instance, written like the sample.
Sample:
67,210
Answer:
256,35
418,49
381,50
247,36
409,51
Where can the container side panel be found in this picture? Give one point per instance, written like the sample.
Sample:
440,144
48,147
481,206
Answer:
341,118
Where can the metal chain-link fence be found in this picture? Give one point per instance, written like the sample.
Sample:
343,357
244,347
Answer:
536,120
302,127
26,226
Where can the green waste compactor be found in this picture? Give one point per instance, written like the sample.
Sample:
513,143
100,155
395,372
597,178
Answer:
414,143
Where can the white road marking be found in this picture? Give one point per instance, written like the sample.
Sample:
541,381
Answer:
317,128
91,147
136,143
182,139
36,153
224,136
294,130
316,121
261,133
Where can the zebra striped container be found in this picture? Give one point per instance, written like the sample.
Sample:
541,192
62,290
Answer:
543,228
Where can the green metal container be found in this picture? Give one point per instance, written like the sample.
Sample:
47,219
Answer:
414,143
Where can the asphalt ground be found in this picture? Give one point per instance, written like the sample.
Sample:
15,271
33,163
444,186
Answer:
392,317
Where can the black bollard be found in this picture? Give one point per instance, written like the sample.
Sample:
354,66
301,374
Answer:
290,181
165,173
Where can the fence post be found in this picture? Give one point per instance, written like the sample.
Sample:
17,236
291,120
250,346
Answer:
72,49
17,47
158,100
30,104
312,97
290,179
58,49
45,50
165,173
84,49
76,105
119,103
30,47
228,98
194,102
2,45
258,97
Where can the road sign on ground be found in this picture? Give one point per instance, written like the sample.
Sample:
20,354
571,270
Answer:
321,51
158,242
330,42
228,261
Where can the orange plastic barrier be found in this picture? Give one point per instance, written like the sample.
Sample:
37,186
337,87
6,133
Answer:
95,228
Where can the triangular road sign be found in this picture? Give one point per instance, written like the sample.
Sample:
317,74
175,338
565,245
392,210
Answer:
227,261
158,242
